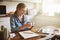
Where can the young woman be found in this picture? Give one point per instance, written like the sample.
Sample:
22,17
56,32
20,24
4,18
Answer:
19,21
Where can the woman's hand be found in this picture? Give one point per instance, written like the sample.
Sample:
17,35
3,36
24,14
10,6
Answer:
28,25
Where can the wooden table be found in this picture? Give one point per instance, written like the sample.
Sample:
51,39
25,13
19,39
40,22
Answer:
56,37
19,37
40,37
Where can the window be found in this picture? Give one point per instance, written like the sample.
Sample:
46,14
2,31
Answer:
50,7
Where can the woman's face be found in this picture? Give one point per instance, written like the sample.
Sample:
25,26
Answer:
21,11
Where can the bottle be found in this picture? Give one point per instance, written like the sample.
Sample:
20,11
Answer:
2,27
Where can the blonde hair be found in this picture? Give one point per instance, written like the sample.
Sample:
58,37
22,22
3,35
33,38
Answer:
21,5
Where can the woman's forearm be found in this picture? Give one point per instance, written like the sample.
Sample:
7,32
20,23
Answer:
28,26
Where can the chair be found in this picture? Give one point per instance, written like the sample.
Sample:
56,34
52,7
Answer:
1,35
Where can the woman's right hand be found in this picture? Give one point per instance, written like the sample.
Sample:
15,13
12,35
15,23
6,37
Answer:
27,25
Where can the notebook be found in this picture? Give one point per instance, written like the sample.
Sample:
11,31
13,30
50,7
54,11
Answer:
28,34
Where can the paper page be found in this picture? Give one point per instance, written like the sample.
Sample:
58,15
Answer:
12,35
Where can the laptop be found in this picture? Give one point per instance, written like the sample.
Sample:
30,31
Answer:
2,10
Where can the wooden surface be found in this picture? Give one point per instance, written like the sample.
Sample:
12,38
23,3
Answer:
19,37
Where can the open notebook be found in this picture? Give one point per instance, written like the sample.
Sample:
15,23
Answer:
28,34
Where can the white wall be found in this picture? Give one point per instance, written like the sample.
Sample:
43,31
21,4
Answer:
34,1
11,6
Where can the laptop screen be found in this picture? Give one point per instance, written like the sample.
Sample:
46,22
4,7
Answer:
2,9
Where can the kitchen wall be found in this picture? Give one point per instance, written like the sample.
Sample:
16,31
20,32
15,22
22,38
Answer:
11,5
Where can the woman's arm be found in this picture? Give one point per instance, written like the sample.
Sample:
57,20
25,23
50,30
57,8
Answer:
25,26
13,25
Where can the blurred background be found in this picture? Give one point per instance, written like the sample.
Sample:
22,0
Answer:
44,14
